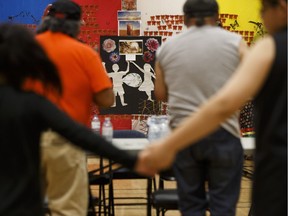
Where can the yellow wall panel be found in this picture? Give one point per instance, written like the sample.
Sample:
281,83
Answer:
248,16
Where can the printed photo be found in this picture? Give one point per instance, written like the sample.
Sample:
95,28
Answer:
129,15
129,5
129,28
131,47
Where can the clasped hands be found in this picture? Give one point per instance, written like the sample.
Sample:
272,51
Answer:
155,157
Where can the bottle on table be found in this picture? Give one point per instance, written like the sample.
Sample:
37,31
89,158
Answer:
96,124
158,127
154,130
107,129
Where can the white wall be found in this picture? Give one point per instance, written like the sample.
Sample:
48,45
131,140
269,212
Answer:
158,7
247,10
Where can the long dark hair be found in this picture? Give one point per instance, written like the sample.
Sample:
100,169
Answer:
21,57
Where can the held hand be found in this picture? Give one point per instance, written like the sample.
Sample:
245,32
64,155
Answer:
142,168
157,156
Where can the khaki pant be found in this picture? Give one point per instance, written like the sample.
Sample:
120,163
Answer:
65,176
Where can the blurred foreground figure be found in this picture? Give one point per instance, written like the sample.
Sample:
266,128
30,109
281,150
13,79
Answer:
25,115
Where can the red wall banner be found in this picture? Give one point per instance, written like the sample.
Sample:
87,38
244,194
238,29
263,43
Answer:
100,18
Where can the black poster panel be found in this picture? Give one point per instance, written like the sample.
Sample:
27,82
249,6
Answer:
130,62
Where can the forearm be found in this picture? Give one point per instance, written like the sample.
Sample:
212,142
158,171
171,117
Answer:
87,140
80,135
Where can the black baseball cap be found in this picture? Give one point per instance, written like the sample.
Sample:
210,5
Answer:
200,8
65,9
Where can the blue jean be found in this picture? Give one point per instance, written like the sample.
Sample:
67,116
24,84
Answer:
209,174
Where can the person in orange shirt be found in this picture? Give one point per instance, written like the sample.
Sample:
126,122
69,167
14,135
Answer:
84,81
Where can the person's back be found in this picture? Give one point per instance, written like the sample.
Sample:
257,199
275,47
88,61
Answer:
196,64
75,61
84,81
190,68
20,192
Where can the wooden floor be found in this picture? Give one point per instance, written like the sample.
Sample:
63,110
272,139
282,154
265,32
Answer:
135,188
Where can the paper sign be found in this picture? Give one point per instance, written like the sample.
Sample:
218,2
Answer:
130,57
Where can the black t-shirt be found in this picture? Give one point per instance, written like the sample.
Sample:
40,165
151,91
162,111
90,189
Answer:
23,117
271,104
270,177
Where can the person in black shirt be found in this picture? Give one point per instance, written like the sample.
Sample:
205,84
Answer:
25,115
262,76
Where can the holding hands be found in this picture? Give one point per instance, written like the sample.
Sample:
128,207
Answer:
157,156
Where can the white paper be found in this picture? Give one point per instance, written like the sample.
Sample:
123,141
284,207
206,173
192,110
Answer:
130,57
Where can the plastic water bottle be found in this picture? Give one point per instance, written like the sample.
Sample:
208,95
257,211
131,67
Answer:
154,130
165,130
95,125
158,127
107,129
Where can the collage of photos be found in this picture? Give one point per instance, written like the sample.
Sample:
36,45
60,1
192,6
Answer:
129,19
133,79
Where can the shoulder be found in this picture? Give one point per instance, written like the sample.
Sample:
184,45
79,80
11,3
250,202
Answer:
228,34
230,39
265,47
170,43
222,33
41,37
27,100
80,49
85,49
178,38
260,56
79,45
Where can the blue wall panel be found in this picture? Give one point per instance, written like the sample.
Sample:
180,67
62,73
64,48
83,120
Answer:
22,11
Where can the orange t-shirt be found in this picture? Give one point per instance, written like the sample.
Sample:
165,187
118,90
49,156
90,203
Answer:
81,72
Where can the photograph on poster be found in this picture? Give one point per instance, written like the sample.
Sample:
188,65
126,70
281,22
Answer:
129,28
129,15
129,5
134,47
